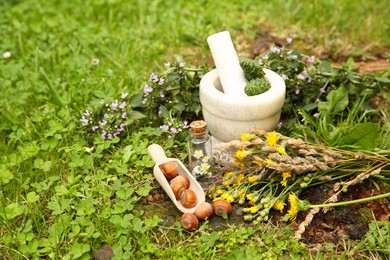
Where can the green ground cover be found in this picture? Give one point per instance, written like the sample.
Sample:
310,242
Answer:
64,192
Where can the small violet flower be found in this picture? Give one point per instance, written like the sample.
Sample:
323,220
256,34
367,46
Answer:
84,121
124,114
275,49
114,105
312,59
161,81
124,95
147,89
284,77
294,57
153,77
289,40
164,128
95,127
322,90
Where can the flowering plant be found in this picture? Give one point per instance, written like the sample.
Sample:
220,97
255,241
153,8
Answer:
109,120
173,93
267,170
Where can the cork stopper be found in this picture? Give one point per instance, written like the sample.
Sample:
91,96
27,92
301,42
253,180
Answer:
198,127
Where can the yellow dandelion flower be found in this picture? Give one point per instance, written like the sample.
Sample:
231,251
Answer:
281,150
226,183
253,179
249,197
294,206
237,163
258,163
284,183
219,191
241,193
268,161
225,195
241,154
279,205
286,175
229,198
246,137
272,138
253,209
239,178
229,174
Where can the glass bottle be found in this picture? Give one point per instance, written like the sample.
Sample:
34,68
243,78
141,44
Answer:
199,150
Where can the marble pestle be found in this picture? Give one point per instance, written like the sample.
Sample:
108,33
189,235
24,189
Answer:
227,64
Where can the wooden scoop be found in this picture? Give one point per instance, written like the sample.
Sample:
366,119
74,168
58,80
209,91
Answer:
158,156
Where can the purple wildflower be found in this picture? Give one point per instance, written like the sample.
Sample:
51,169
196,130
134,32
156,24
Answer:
147,89
109,136
95,127
104,122
124,114
312,59
284,77
124,95
265,57
301,76
260,61
161,81
114,105
153,77
164,128
289,40
173,130
182,64
275,49
84,121
316,115
322,90
144,101
297,91
162,94
122,105
294,57
167,64
87,113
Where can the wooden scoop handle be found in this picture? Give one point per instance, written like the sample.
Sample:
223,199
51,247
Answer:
157,153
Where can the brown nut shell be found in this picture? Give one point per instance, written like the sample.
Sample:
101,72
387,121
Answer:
188,198
204,211
177,188
183,179
221,207
170,170
189,221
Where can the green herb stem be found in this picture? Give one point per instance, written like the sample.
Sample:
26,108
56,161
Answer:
382,196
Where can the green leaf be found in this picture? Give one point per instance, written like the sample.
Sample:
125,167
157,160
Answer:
11,211
32,197
363,135
5,176
79,249
337,101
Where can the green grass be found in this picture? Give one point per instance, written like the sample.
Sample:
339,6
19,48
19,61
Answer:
59,201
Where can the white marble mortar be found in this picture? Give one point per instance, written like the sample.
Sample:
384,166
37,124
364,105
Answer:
228,116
